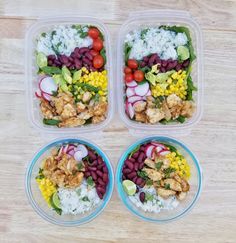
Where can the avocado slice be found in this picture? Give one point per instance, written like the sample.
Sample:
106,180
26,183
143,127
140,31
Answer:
183,53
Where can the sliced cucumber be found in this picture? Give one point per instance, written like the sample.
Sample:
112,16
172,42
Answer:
183,53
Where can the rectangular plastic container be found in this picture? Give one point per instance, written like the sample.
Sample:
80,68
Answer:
156,18
34,114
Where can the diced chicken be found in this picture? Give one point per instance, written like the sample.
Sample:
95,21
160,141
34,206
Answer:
150,163
187,108
153,174
181,196
68,111
86,97
173,100
85,115
166,111
72,122
47,110
74,180
154,115
58,178
174,185
50,165
140,106
61,100
185,185
100,109
80,107
67,165
140,117
165,193
98,119
150,102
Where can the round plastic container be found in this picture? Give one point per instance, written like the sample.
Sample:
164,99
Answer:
31,77
155,18
184,207
38,203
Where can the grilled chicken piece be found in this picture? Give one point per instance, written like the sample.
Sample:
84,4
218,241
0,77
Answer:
140,117
68,166
181,196
100,108
74,180
98,119
68,111
58,178
166,110
153,174
185,186
150,163
174,185
165,193
50,165
154,115
140,106
72,122
86,97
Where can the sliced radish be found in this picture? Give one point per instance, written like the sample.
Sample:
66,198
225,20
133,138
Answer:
142,89
134,98
46,96
130,92
65,149
130,111
149,151
78,155
164,152
126,106
136,102
131,84
159,145
38,94
159,149
83,149
71,152
148,93
47,85
60,151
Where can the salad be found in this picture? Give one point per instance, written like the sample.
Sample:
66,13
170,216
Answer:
157,74
72,179
155,177
72,76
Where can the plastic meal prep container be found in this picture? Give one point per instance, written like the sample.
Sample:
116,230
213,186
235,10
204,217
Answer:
195,182
36,199
31,77
155,18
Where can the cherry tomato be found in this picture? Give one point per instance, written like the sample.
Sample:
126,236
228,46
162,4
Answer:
133,64
97,45
127,70
93,33
138,75
94,53
129,77
98,61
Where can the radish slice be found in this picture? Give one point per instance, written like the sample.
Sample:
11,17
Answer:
71,146
47,85
46,96
163,152
83,149
134,98
38,94
149,151
159,145
131,84
158,149
130,92
78,155
142,89
136,102
148,93
71,152
126,106
131,111
65,149
60,151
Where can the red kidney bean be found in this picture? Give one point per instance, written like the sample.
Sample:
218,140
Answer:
87,174
50,62
68,64
132,175
93,69
63,59
70,59
186,63
142,64
76,49
100,161
141,165
178,67
146,59
142,148
126,171
86,60
129,164
94,163
100,195
142,184
142,197
163,70
72,66
105,177
105,170
132,160
139,181
52,57
141,157
89,56
92,155
101,189
164,63
101,182
136,166
135,155
92,168
57,62
73,55
99,173
134,179
100,167
83,50
123,177
94,175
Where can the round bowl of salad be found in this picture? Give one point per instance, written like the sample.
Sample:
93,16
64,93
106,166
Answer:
159,179
69,181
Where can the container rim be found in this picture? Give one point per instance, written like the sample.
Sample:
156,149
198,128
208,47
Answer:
121,192
28,176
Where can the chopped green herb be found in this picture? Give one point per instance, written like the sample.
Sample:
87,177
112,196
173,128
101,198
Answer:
142,174
168,171
103,54
190,88
51,122
149,182
88,87
78,191
90,181
54,93
127,50
181,119
85,199
43,34
143,82
167,186
149,197
80,30
145,69
80,166
51,70
159,165
40,174
172,148
143,33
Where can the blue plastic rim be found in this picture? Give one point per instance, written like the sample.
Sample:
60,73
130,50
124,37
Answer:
97,211
122,194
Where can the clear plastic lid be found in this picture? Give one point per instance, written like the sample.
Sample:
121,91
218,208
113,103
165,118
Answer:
31,78
156,18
